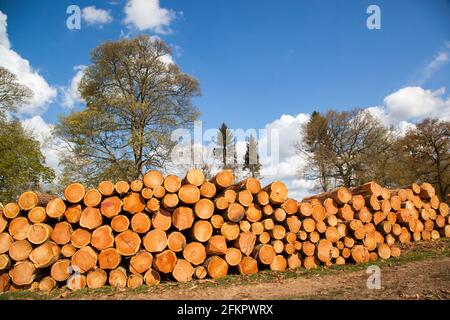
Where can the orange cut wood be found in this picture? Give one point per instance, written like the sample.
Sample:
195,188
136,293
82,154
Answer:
133,203
183,271
92,198
18,228
102,238
277,192
120,223
204,208
74,192
122,187
128,243
176,241
248,265
109,259
217,245
155,240
183,218
141,262
216,267
73,213
208,189
91,218
195,253
111,206
80,238
189,194
62,232
35,215
195,177
141,223
106,188
55,208
172,183
153,178
165,261
162,219
224,179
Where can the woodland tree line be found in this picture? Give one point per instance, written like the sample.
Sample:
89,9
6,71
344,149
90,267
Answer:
134,101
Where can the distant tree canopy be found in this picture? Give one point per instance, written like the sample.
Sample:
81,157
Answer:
251,158
22,165
134,101
351,148
12,93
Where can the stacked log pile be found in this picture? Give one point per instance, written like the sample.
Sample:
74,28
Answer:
127,234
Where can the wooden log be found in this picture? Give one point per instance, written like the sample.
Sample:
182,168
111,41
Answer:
91,218
141,262
321,226
3,223
84,259
279,215
369,188
80,238
386,206
395,202
118,278
73,213
384,251
111,206
172,183
245,197
257,228
136,185
264,253
133,203
253,213
346,213
443,209
47,284
310,262
223,179
5,242
127,243
340,195
135,281
147,193
74,192
308,225
268,224
152,277
18,228
200,272
262,198
92,198
364,215
372,202
319,212
217,245
290,206
106,188
195,253
61,233
159,192
370,241
230,230
183,271
294,261
38,233
277,192
195,177
357,202
165,261
245,225
102,238
268,210
161,219
11,210
248,265
208,189
217,221
141,223
230,195
202,231
68,250
221,203
109,259
182,218
330,206
324,248
155,240
170,200
120,223
20,250
246,242
332,220
153,178
23,273
45,254
76,282
279,264
360,254
96,278
27,201
152,205
189,194
235,212
233,256
176,241
305,209
293,224
332,234
55,208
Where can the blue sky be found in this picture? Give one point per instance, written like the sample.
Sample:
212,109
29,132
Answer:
261,64
256,59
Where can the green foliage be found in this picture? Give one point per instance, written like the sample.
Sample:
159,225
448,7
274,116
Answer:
22,165
251,158
12,93
134,102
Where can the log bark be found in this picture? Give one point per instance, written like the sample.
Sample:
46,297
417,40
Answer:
369,188
30,199
340,195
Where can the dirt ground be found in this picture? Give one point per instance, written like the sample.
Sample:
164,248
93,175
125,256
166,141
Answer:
422,272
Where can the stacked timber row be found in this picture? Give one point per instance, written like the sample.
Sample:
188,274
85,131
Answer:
127,234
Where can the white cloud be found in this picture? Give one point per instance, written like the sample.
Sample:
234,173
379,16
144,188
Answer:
148,15
438,61
70,94
42,131
92,15
43,92
416,103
